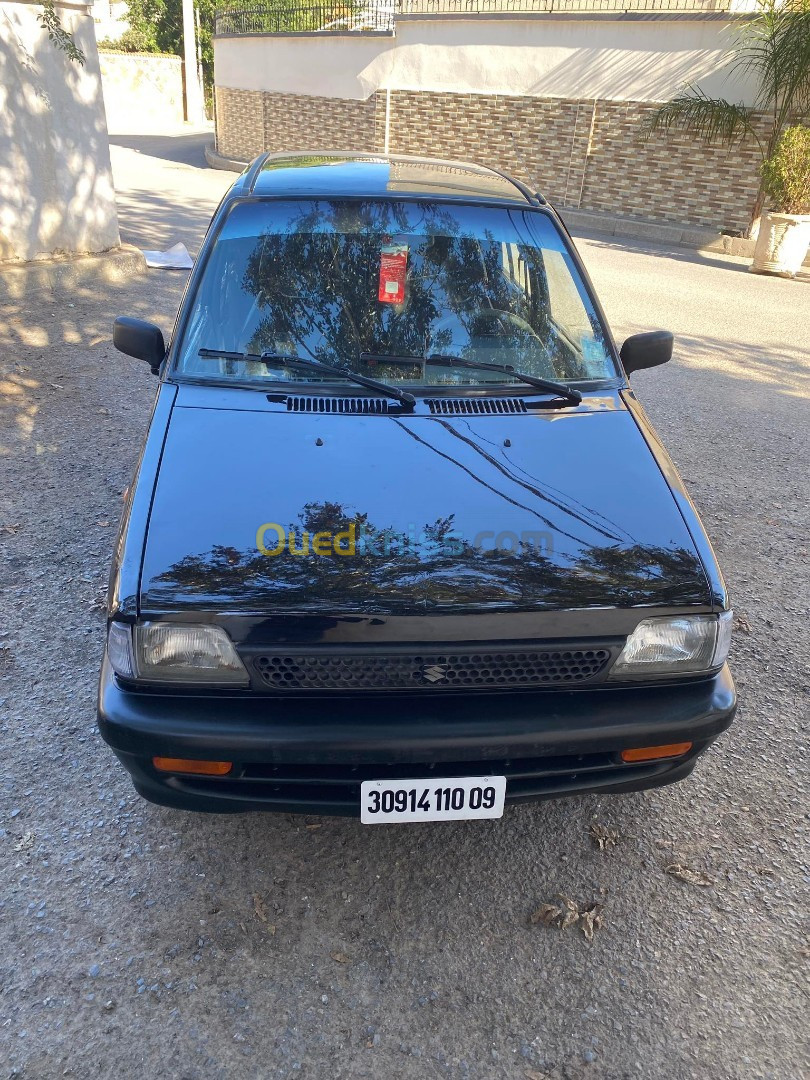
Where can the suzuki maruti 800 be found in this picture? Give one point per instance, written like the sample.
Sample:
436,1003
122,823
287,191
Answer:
402,543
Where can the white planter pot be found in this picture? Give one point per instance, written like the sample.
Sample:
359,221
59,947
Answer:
782,243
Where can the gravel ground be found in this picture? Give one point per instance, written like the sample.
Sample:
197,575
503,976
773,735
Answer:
139,941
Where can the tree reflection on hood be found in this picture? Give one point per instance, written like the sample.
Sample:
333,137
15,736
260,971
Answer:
448,574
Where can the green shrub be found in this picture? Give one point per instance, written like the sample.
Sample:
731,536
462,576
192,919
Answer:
133,40
786,173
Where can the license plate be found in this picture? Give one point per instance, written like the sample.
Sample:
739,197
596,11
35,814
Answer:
384,801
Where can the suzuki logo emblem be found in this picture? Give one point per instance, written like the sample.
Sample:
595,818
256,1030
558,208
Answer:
434,673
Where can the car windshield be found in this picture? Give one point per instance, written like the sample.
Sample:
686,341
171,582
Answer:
393,290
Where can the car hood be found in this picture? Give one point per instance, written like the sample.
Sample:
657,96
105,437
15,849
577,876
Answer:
543,510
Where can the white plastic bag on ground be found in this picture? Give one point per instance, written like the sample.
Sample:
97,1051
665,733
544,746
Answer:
174,258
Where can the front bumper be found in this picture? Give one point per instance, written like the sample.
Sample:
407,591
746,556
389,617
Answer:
310,755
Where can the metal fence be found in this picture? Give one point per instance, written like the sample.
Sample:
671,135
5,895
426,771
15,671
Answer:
276,17
486,7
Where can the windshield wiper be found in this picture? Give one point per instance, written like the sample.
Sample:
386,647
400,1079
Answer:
552,387
562,389
290,360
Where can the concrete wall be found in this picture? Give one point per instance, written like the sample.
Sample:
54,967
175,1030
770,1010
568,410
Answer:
56,189
613,59
141,91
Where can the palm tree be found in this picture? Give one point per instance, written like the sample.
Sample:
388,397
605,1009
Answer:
773,47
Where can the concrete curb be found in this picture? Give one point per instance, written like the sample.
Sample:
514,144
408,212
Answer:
737,245
217,161
642,229
105,268
702,240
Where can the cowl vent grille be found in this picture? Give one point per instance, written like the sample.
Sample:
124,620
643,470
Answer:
475,406
353,405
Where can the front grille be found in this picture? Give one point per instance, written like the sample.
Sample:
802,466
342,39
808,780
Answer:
516,669
345,774
476,406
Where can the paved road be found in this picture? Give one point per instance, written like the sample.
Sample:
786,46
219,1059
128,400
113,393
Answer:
136,941
165,191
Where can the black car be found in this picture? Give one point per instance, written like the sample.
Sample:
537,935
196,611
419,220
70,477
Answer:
402,542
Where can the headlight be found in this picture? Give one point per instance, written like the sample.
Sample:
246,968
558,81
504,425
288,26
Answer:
175,653
688,644
119,650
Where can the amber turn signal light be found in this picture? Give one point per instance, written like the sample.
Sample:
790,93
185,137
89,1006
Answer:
190,765
655,753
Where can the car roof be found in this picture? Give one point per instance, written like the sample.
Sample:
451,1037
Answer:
335,173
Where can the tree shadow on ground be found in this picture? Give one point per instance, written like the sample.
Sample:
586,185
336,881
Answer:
155,221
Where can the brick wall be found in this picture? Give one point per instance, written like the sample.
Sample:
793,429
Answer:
576,156
671,177
299,122
240,123
249,121
549,143
537,139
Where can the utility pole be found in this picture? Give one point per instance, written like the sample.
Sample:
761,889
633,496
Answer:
195,111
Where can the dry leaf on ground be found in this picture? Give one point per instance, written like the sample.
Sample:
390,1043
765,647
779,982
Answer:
590,920
691,877
259,908
546,914
571,913
340,957
742,624
589,916
25,842
604,837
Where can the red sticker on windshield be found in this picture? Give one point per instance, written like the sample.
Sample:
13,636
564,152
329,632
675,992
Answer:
393,265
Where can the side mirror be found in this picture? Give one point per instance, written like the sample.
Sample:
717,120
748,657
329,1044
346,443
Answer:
140,339
646,350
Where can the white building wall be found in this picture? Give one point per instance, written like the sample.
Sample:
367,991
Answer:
612,59
56,188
